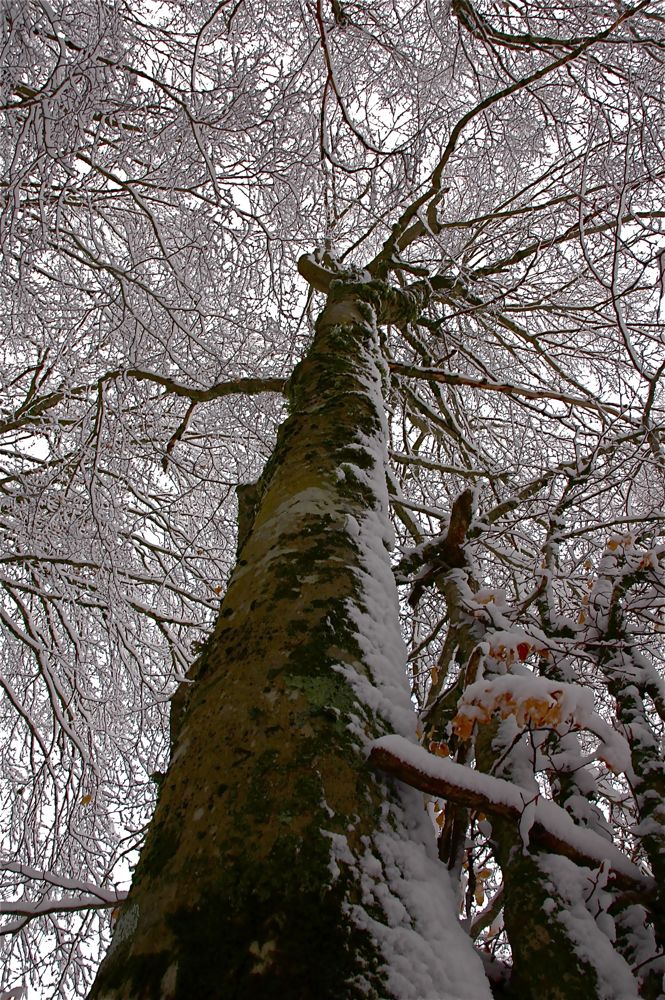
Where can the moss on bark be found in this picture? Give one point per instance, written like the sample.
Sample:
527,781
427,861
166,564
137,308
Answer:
237,892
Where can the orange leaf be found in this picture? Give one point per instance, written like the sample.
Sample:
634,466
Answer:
463,727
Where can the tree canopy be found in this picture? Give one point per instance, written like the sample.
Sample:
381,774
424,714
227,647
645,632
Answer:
183,185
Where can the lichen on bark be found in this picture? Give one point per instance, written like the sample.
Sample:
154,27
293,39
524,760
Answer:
253,879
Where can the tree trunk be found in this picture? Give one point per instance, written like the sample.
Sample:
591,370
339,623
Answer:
276,865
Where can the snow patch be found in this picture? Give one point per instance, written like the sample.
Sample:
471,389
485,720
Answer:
429,955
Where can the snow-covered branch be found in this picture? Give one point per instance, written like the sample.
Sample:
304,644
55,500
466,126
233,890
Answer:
91,897
64,904
236,386
552,827
509,388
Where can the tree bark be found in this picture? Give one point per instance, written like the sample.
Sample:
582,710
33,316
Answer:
276,864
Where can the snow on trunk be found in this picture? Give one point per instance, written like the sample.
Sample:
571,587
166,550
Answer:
277,864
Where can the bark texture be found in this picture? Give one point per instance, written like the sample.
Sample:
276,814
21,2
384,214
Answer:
254,879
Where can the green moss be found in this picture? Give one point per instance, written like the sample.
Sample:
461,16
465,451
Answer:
263,917
297,626
268,931
324,691
276,931
539,939
354,488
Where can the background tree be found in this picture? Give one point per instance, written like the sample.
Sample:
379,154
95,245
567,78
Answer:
164,170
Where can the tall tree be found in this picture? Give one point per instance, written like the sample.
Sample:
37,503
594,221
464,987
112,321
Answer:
454,218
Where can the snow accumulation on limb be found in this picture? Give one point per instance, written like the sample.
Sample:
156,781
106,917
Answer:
106,896
92,897
552,827
27,910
